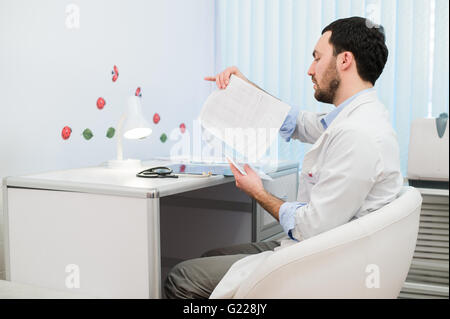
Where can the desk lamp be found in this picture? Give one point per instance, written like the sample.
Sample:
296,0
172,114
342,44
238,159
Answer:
132,125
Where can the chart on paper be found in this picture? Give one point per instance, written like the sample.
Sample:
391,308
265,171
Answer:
244,117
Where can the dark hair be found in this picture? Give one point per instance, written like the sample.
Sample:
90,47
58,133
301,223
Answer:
365,40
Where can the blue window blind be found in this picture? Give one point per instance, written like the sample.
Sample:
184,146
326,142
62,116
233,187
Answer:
271,42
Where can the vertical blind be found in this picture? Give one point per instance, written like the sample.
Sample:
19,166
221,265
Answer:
271,42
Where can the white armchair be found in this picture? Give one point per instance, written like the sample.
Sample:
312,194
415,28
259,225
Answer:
366,258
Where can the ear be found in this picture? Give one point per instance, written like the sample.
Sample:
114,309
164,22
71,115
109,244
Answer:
345,60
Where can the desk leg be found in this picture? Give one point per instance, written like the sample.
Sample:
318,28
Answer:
154,247
5,238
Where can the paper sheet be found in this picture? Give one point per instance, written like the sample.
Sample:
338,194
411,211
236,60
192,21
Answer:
243,117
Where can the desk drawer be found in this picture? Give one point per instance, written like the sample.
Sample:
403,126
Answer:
283,187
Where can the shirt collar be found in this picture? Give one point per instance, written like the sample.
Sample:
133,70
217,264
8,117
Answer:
329,118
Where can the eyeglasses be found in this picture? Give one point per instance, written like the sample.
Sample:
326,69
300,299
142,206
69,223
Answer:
157,172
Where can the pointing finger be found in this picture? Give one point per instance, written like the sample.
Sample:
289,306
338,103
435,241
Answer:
217,82
227,77
221,81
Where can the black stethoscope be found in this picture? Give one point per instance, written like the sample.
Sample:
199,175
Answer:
157,172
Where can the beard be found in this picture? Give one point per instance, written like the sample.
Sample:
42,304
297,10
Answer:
332,81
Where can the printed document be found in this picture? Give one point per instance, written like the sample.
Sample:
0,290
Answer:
244,117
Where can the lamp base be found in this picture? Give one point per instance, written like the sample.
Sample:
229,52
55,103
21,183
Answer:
124,164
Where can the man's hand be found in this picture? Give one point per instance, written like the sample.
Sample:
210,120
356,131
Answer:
222,79
251,183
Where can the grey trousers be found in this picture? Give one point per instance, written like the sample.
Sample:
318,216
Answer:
197,278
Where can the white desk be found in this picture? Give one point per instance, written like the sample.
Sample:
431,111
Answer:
116,228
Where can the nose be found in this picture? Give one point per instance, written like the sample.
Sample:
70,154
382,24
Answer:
311,70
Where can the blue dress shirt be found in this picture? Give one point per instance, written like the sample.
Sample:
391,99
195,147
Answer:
288,209
288,126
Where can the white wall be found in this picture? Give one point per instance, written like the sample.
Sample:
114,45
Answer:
51,76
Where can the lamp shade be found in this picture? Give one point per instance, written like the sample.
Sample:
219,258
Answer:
132,125
135,126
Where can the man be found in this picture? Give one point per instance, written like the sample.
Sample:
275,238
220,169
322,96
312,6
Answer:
352,169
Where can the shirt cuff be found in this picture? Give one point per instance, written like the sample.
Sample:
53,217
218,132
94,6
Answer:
288,126
287,216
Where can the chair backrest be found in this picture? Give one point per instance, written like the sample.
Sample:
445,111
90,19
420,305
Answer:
366,258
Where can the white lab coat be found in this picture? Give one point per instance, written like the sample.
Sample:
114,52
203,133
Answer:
352,169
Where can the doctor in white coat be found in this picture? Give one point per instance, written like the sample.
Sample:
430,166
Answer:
352,169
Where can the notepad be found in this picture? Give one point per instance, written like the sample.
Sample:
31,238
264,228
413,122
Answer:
244,117
240,169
